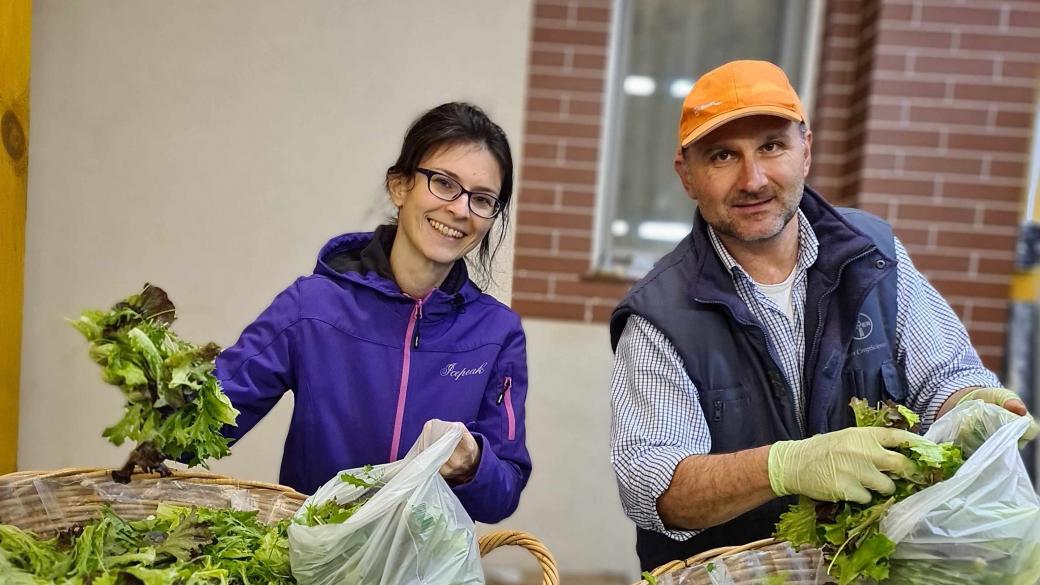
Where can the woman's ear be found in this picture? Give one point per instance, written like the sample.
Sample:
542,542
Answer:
398,187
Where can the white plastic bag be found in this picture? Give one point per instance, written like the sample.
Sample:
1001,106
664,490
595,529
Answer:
412,531
980,526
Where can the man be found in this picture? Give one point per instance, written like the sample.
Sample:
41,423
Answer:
737,355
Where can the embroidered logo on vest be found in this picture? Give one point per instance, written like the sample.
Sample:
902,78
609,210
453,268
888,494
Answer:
450,370
864,327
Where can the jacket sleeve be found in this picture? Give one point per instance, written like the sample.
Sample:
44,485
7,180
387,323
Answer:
258,369
505,465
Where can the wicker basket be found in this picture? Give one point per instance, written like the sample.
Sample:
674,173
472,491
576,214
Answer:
46,502
755,563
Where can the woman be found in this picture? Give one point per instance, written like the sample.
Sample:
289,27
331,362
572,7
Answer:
390,332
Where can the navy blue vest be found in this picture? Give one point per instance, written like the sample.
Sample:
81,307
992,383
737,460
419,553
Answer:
850,316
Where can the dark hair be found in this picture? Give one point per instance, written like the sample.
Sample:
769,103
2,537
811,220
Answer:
455,124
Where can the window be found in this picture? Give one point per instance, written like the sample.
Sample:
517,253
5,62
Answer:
658,46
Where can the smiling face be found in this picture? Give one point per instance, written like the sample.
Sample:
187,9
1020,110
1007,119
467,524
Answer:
747,177
432,233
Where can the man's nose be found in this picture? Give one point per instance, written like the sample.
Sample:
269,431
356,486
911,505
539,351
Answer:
753,177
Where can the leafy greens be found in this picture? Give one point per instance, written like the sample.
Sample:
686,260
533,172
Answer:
175,407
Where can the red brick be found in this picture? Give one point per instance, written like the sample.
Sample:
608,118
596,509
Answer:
908,88
891,12
578,198
945,213
953,65
575,243
989,143
585,107
536,150
562,129
899,186
1027,69
998,42
992,358
533,307
1007,119
988,338
889,62
565,82
554,219
837,77
996,267
1014,170
937,13
974,240
602,313
904,137
545,105
943,115
927,261
542,10
990,314
580,153
591,14
889,112
592,289
525,239
1000,217
569,37
969,288
889,37
915,239
534,196
558,174
589,61
548,58
543,263
993,93
1025,17
533,285
939,164
980,191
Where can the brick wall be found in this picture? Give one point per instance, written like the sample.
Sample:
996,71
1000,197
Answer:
923,116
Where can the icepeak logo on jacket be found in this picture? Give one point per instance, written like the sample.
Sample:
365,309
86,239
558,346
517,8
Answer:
454,372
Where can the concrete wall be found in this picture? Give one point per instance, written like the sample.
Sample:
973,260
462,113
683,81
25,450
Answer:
211,148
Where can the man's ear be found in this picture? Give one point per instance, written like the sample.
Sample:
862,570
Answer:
808,153
398,187
683,170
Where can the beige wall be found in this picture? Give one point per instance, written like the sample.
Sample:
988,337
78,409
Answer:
211,148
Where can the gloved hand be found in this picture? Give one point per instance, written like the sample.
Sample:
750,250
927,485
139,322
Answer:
462,465
1009,401
841,465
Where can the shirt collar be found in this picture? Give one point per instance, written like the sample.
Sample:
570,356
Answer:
808,248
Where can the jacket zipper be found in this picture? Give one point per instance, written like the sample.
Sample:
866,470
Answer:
411,341
506,394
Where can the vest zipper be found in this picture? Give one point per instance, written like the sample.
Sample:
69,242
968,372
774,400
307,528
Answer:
411,341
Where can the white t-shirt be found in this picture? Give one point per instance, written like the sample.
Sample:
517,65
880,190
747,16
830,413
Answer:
780,294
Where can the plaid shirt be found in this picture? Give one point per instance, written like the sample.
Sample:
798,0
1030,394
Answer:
657,420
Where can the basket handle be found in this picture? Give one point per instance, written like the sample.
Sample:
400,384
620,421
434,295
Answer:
493,540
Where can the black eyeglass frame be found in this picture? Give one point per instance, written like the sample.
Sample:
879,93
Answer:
469,194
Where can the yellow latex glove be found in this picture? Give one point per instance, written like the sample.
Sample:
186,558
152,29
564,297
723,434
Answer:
842,465
1009,401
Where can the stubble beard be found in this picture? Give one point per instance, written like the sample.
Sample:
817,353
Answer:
729,228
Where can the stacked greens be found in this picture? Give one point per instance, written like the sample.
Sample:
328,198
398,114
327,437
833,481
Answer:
175,408
177,545
848,532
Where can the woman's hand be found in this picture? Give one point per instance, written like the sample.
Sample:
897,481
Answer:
461,466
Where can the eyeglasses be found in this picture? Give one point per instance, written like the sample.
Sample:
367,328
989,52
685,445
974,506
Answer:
444,187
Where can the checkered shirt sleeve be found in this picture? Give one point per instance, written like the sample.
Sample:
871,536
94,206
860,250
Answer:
656,422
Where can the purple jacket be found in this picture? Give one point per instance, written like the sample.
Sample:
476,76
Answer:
369,366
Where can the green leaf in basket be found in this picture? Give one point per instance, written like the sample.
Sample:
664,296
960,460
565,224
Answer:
777,579
650,579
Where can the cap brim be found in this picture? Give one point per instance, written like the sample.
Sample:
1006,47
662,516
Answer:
721,119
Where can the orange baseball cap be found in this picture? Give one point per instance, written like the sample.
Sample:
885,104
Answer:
735,90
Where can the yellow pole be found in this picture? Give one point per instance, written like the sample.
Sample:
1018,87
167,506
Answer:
15,31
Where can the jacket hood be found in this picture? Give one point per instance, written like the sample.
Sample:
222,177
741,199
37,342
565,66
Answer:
363,258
